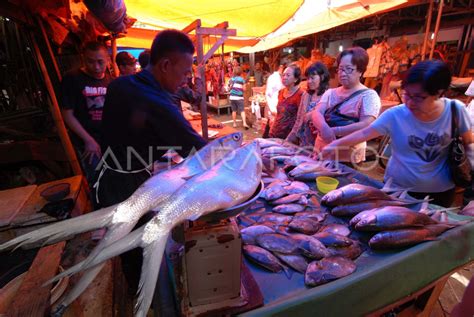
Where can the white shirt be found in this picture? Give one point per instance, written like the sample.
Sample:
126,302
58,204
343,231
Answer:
274,85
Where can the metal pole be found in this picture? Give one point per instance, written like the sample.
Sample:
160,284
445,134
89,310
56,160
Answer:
427,30
56,113
438,21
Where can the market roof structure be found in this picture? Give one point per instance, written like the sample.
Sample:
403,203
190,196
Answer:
260,24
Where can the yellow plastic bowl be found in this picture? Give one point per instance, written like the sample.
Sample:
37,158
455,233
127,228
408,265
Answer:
326,184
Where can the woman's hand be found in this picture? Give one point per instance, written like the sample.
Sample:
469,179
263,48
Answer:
327,135
329,151
91,149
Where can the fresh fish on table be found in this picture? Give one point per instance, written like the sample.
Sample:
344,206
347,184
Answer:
311,167
304,225
310,246
266,143
353,193
277,243
288,199
275,190
228,183
327,270
280,158
298,159
295,261
333,240
316,215
277,218
353,209
245,221
336,229
288,208
393,217
263,258
121,218
407,237
249,234
352,251
278,151
296,187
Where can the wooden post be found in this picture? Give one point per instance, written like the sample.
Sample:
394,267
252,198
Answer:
438,21
427,30
50,50
201,70
113,43
56,113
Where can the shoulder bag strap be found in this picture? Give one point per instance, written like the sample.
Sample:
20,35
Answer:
339,104
454,121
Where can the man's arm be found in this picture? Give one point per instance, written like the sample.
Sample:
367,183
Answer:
91,147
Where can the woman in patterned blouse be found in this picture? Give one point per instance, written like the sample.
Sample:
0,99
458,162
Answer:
289,99
317,76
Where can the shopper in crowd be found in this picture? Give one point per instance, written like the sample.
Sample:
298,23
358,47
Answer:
126,63
348,108
258,74
289,99
317,82
236,96
420,132
144,58
83,95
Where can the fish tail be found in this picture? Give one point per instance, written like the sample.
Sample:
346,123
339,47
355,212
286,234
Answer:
81,285
64,229
152,257
129,242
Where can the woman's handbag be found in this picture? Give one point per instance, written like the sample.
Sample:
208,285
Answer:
457,158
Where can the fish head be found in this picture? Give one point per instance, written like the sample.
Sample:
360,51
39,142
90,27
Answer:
367,221
217,149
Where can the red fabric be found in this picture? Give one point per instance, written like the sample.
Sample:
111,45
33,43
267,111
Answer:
287,110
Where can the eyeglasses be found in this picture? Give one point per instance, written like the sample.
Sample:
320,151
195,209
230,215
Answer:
347,70
416,98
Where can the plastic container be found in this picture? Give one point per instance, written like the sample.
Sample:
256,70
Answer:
326,184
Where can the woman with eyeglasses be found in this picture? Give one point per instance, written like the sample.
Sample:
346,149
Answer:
317,81
348,108
420,130
289,99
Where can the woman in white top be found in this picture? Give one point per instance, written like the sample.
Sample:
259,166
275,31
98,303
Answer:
420,132
348,108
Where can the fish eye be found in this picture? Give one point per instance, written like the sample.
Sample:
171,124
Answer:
236,137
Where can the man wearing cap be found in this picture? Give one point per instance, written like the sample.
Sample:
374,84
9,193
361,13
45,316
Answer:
127,64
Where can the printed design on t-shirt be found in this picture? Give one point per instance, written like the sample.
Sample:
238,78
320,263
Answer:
95,99
430,147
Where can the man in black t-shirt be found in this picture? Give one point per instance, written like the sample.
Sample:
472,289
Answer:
83,96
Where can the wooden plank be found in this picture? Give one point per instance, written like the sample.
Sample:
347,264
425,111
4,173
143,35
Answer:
12,201
215,31
428,308
437,310
32,299
192,26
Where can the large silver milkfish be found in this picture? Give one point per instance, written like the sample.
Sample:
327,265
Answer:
228,183
120,219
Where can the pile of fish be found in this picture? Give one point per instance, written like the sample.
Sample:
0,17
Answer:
219,176
309,242
373,210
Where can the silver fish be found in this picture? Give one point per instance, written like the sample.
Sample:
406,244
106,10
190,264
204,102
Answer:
310,167
298,159
121,218
327,270
287,199
393,217
304,225
295,261
310,246
354,208
277,151
313,175
249,234
228,183
296,187
333,240
277,243
266,143
336,229
278,218
407,236
288,208
352,251
318,216
263,258
353,193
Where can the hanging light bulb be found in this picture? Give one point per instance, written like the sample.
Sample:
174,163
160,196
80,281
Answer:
432,36
341,48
